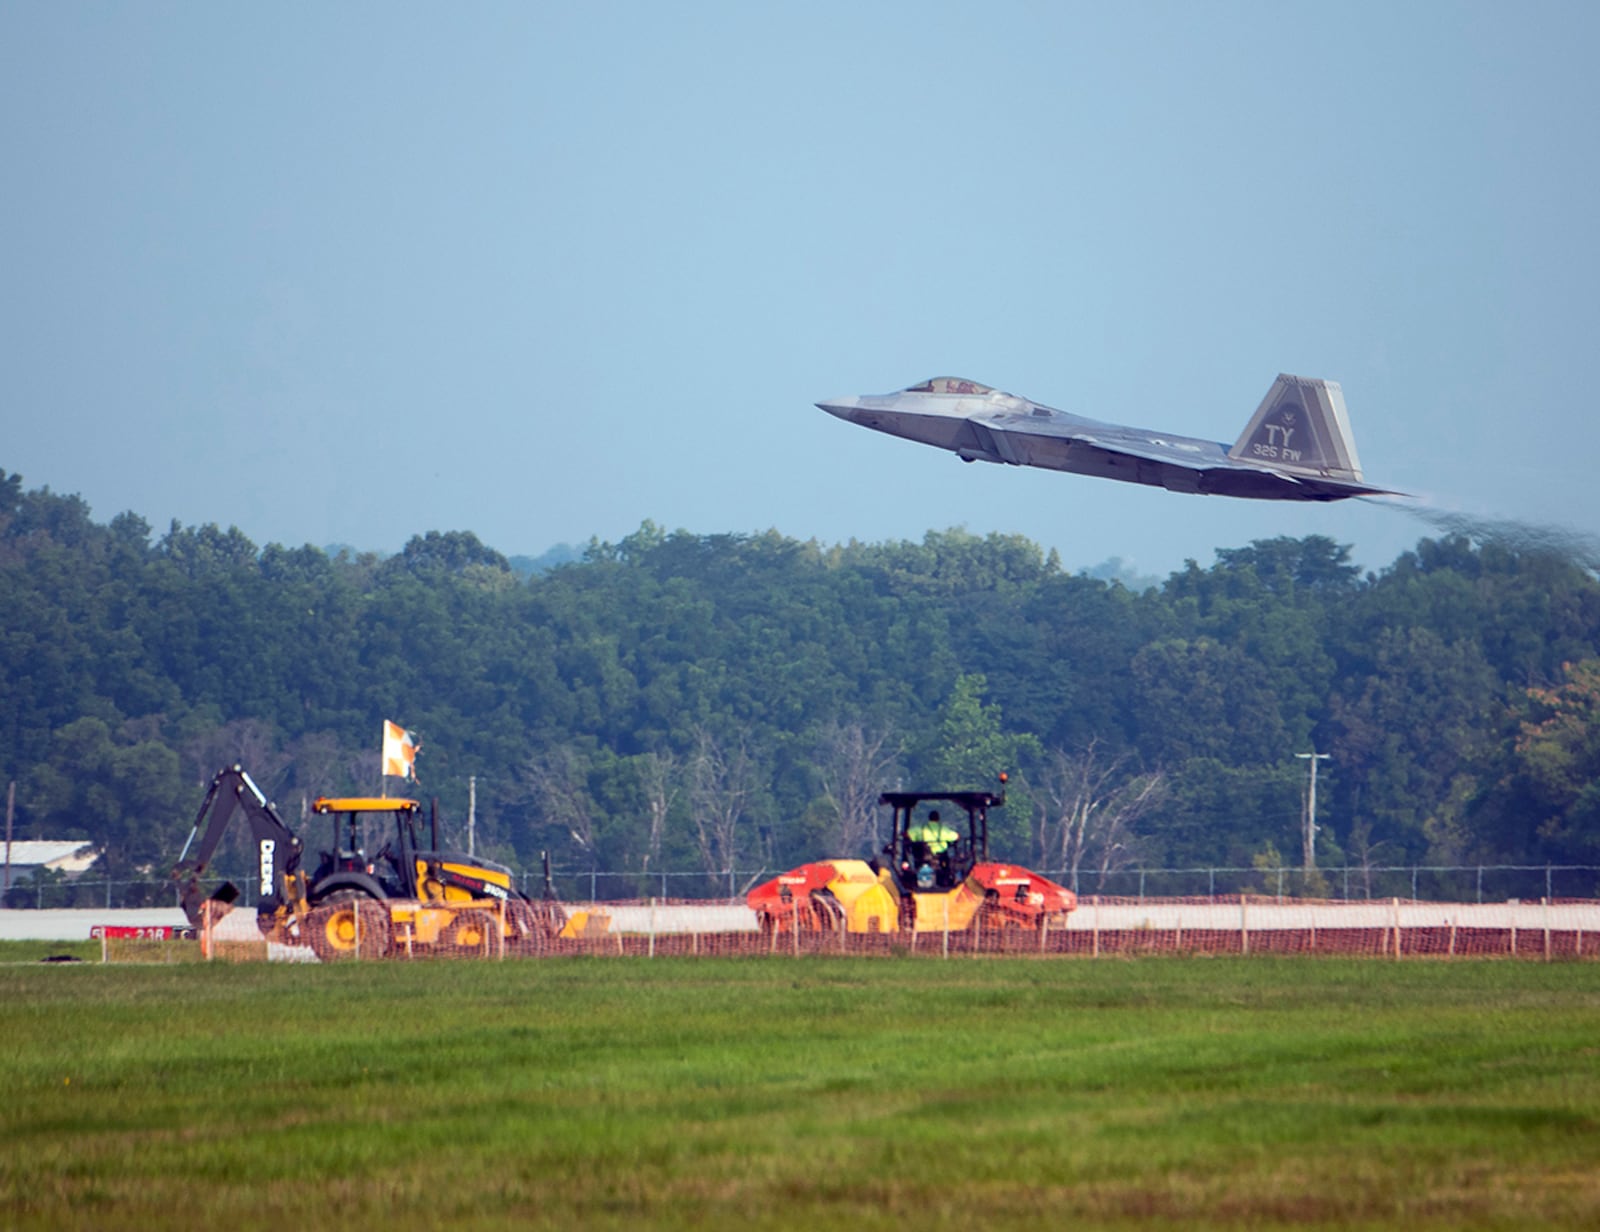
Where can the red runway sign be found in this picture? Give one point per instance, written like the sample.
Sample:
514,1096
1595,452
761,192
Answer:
140,932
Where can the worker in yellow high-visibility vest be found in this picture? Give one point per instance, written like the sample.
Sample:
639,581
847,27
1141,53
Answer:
932,839
934,833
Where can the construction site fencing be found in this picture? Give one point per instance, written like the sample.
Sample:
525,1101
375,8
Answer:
1101,927
1469,883
1465,883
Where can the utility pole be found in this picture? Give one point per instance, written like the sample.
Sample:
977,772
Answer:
472,814
11,809
1311,807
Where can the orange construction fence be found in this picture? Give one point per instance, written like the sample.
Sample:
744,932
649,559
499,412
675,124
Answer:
1244,924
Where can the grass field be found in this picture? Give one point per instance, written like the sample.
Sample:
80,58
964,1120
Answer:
860,1094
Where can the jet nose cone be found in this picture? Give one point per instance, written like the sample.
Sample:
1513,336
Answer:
844,408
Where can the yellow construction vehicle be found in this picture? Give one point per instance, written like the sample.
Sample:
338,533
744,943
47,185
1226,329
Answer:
405,899
932,876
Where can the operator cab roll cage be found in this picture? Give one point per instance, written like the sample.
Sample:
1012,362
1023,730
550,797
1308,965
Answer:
395,870
951,866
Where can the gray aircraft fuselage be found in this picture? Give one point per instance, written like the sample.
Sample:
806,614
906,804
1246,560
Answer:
1296,447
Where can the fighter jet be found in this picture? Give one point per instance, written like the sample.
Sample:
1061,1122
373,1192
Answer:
1297,446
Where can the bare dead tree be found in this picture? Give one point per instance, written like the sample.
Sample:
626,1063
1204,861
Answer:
722,783
855,763
1087,807
1367,855
313,760
1127,804
661,777
244,742
558,781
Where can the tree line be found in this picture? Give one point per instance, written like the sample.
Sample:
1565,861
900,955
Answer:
736,701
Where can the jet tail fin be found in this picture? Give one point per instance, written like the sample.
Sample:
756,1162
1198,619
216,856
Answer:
1301,427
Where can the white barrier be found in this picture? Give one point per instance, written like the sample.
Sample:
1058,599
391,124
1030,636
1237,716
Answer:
1266,916
73,924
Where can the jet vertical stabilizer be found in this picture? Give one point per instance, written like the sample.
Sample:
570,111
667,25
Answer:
1301,427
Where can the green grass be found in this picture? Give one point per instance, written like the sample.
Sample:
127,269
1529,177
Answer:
628,1094
38,951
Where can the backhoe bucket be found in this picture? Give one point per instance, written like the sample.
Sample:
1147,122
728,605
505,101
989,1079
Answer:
194,904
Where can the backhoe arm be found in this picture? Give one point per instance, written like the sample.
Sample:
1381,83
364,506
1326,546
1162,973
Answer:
278,848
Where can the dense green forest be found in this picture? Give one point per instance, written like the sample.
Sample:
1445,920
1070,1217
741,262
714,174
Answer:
712,702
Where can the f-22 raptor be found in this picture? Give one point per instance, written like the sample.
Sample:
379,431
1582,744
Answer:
1297,446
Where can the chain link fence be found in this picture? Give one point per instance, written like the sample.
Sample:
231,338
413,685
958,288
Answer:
1470,883
1466,883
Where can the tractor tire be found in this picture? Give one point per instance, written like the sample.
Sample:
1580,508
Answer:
348,925
995,917
472,934
826,914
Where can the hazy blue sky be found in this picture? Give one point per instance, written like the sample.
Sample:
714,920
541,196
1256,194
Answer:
349,272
